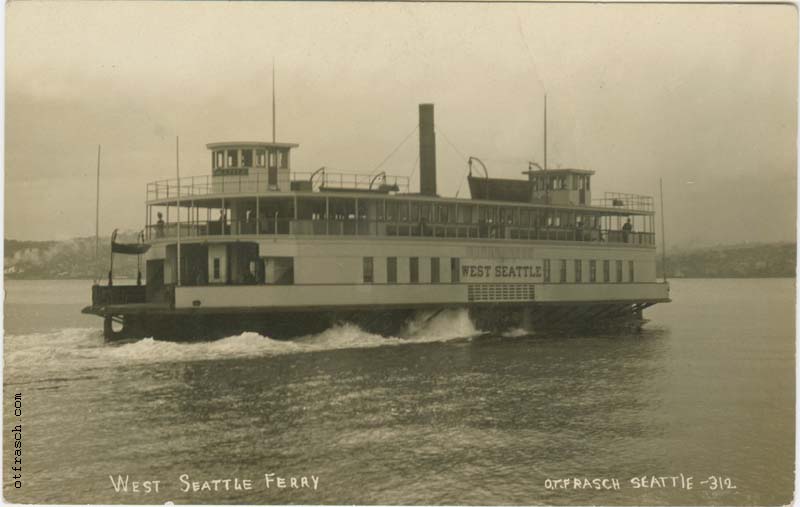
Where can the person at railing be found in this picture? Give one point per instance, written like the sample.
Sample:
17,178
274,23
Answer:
223,221
263,223
424,228
627,229
249,222
160,225
200,276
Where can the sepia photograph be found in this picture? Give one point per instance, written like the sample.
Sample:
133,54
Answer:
400,253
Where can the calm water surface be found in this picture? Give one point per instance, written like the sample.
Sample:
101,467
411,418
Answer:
443,415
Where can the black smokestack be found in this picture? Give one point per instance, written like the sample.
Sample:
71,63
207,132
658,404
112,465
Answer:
427,151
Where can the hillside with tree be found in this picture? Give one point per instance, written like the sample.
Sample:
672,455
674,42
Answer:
770,260
69,259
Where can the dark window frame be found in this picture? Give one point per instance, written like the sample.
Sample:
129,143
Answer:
435,270
391,270
455,270
247,158
368,269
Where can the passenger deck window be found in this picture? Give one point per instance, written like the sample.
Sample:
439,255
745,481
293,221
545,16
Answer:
562,271
592,271
630,271
547,271
368,268
391,270
606,271
434,270
578,271
455,269
247,158
233,158
619,271
413,269
279,270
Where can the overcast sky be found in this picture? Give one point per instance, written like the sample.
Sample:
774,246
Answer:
703,96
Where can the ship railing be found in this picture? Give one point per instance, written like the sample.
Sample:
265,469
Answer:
257,182
378,228
619,200
324,179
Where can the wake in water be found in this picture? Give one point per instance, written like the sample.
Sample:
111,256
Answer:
82,348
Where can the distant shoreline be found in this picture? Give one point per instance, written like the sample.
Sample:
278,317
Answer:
76,259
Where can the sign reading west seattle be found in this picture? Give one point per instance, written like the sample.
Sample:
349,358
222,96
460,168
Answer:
506,270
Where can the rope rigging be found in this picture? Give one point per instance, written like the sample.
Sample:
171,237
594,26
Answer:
416,127
463,157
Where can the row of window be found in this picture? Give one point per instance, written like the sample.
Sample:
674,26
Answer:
455,270
413,269
578,271
249,158
577,181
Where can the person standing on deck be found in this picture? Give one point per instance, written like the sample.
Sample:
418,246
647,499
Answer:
160,226
223,220
626,230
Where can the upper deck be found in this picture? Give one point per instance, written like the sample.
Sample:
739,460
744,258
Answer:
246,208
205,190
253,191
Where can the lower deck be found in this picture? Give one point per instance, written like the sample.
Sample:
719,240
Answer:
139,321
194,313
306,282
356,297
322,271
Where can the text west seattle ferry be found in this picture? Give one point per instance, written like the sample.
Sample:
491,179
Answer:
255,246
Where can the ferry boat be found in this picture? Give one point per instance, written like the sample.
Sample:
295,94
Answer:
256,246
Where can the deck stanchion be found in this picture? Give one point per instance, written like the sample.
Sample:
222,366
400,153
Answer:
178,205
663,236
97,220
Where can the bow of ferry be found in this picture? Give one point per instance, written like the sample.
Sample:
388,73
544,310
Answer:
255,246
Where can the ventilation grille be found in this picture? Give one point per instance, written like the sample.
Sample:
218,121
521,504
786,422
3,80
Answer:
501,292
